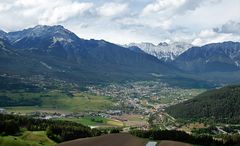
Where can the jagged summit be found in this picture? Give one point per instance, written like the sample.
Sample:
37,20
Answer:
163,51
44,37
163,44
42,31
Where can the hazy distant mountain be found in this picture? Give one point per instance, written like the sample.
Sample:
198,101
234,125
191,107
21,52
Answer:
57,52
163,51
223,57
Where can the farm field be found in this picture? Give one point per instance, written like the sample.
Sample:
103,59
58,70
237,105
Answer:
108,140
80,102
133,120
95,121
56,101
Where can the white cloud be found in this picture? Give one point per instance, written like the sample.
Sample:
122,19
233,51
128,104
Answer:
28,12
160,6
28,3
4,7
112,9
210,15
122,21
210,36
62,13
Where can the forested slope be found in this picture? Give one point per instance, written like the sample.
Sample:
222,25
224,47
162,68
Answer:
220,104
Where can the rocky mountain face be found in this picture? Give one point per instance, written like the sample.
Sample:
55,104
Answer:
4,47
163,51
55,52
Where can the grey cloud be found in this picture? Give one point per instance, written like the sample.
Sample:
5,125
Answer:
229,27
191,5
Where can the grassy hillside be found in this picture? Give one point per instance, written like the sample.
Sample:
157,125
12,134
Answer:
221,105
15,130
28,138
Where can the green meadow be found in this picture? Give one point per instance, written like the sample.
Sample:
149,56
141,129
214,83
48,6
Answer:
27,138
56,101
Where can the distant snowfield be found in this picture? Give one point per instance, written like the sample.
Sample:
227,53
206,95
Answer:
163,51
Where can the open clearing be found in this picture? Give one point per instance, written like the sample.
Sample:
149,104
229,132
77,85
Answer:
133,120
95,121
121,139
189,127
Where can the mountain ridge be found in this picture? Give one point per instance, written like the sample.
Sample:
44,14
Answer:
163,51
211,57
60,51
53,51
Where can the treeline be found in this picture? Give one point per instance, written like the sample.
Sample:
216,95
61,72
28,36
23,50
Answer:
222,105
57,130
7,83
60,133
211,130
9,127
187,138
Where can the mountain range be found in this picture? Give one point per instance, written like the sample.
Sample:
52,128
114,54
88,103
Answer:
221,57
163,51
216,62
55,52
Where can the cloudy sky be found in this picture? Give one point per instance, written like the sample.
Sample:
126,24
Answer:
125,21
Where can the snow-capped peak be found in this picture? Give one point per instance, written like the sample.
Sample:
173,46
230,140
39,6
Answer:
60,39
163,51
56,32
46,30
